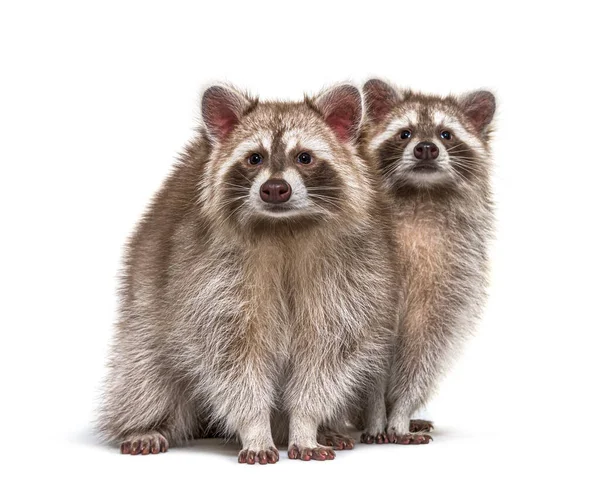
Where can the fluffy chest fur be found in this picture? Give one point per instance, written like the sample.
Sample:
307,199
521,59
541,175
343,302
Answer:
443,262
425,241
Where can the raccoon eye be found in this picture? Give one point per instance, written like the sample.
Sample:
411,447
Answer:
445,135
304,158
255,159
405,134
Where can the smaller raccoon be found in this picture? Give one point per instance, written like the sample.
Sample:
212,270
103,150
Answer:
433,155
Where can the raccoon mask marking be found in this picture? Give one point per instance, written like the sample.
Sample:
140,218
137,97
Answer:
430,142
282,163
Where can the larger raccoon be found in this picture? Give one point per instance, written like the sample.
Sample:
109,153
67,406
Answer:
259,282
433,154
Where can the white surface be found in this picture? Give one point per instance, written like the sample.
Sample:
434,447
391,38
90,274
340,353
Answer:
96,101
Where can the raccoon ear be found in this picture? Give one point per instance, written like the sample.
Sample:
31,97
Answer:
341,107
222,109
379,99
479,108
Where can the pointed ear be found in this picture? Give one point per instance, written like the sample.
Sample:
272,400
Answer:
479,108
222,110
379,99
341,107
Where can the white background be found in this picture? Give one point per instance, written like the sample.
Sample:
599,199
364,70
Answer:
97,98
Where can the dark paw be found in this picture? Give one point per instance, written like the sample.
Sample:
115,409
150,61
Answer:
409,438
421,426
262,457
318,453
336,441
145,444
380,438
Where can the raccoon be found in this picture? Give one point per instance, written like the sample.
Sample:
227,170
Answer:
433,156
258,285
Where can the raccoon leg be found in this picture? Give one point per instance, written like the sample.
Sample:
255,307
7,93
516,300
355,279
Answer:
375,419
143,412
242,403
257,442
240,394
413,376
319,394
303,439
312,398
402,430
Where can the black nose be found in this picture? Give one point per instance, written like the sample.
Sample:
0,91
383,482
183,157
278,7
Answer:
426,150
275,191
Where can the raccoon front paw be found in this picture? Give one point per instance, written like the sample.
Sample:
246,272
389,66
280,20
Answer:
409,438
421,426
318,453
375,438
268,456
152,442
336,441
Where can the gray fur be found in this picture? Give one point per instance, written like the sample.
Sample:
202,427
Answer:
443,223
235,322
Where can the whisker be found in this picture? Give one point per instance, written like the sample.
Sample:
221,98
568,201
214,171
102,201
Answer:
328,200
309,189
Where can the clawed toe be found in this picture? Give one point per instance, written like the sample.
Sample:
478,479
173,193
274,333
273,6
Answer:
144,445
337,442
379,438
318,453
406,439
421,426
262,457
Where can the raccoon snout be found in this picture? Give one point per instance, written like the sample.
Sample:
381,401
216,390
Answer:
426,150
275,191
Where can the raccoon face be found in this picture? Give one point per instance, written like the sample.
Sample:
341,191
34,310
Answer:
283,162
427,141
